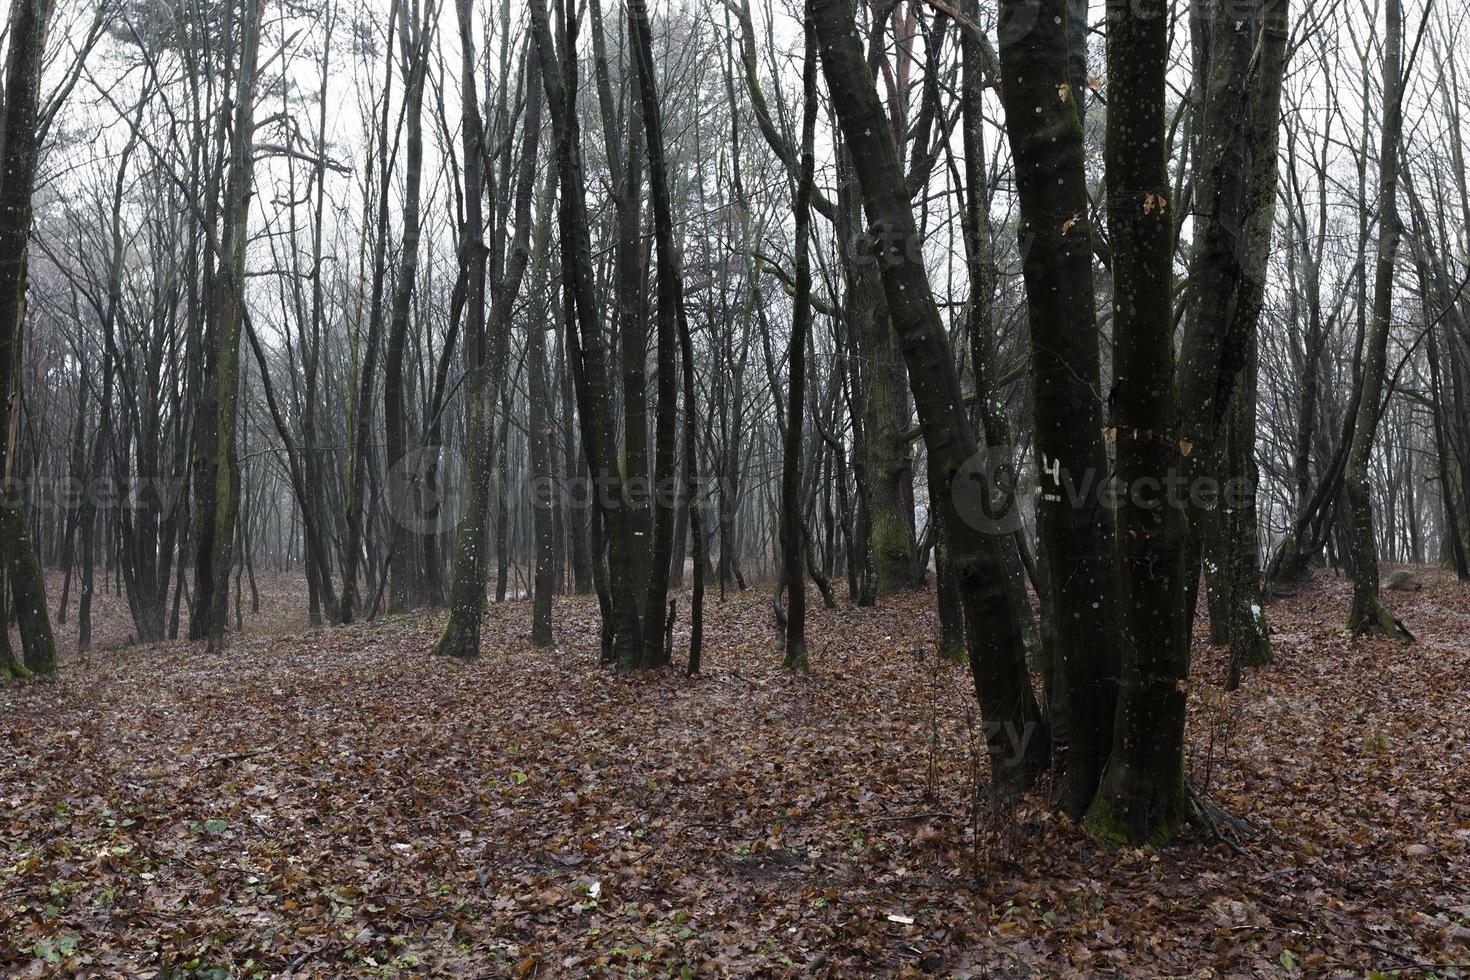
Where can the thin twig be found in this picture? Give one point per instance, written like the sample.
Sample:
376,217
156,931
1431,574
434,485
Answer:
236,756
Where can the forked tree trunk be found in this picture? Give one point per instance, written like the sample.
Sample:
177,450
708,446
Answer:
461,637
585,344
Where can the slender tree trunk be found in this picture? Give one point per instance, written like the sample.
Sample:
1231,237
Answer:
997,648
405,471
361,414
577,505
792,549
539,432
1368,611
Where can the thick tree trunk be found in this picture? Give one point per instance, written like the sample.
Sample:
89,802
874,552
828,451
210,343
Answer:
1214,345
1142,796
1250,644
624,152
1075,530
18,156
670,313
216,530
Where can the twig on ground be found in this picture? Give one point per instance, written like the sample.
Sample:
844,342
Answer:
935,815
229,757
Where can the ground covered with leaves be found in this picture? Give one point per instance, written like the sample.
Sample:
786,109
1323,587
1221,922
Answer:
328,802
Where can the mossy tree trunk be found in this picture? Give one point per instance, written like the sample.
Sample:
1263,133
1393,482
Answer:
19,150
217,497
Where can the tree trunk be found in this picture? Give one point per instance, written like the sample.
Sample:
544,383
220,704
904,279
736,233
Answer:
486,369
217,546
997,648
19,150
361,416
1142,796
670,313
792,549
1368,611
585,342
1075,530
405,472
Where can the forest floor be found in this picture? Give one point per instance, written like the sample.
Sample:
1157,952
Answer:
333,801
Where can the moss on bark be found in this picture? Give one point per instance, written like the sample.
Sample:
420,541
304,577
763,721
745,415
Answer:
1374,617
1126,812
